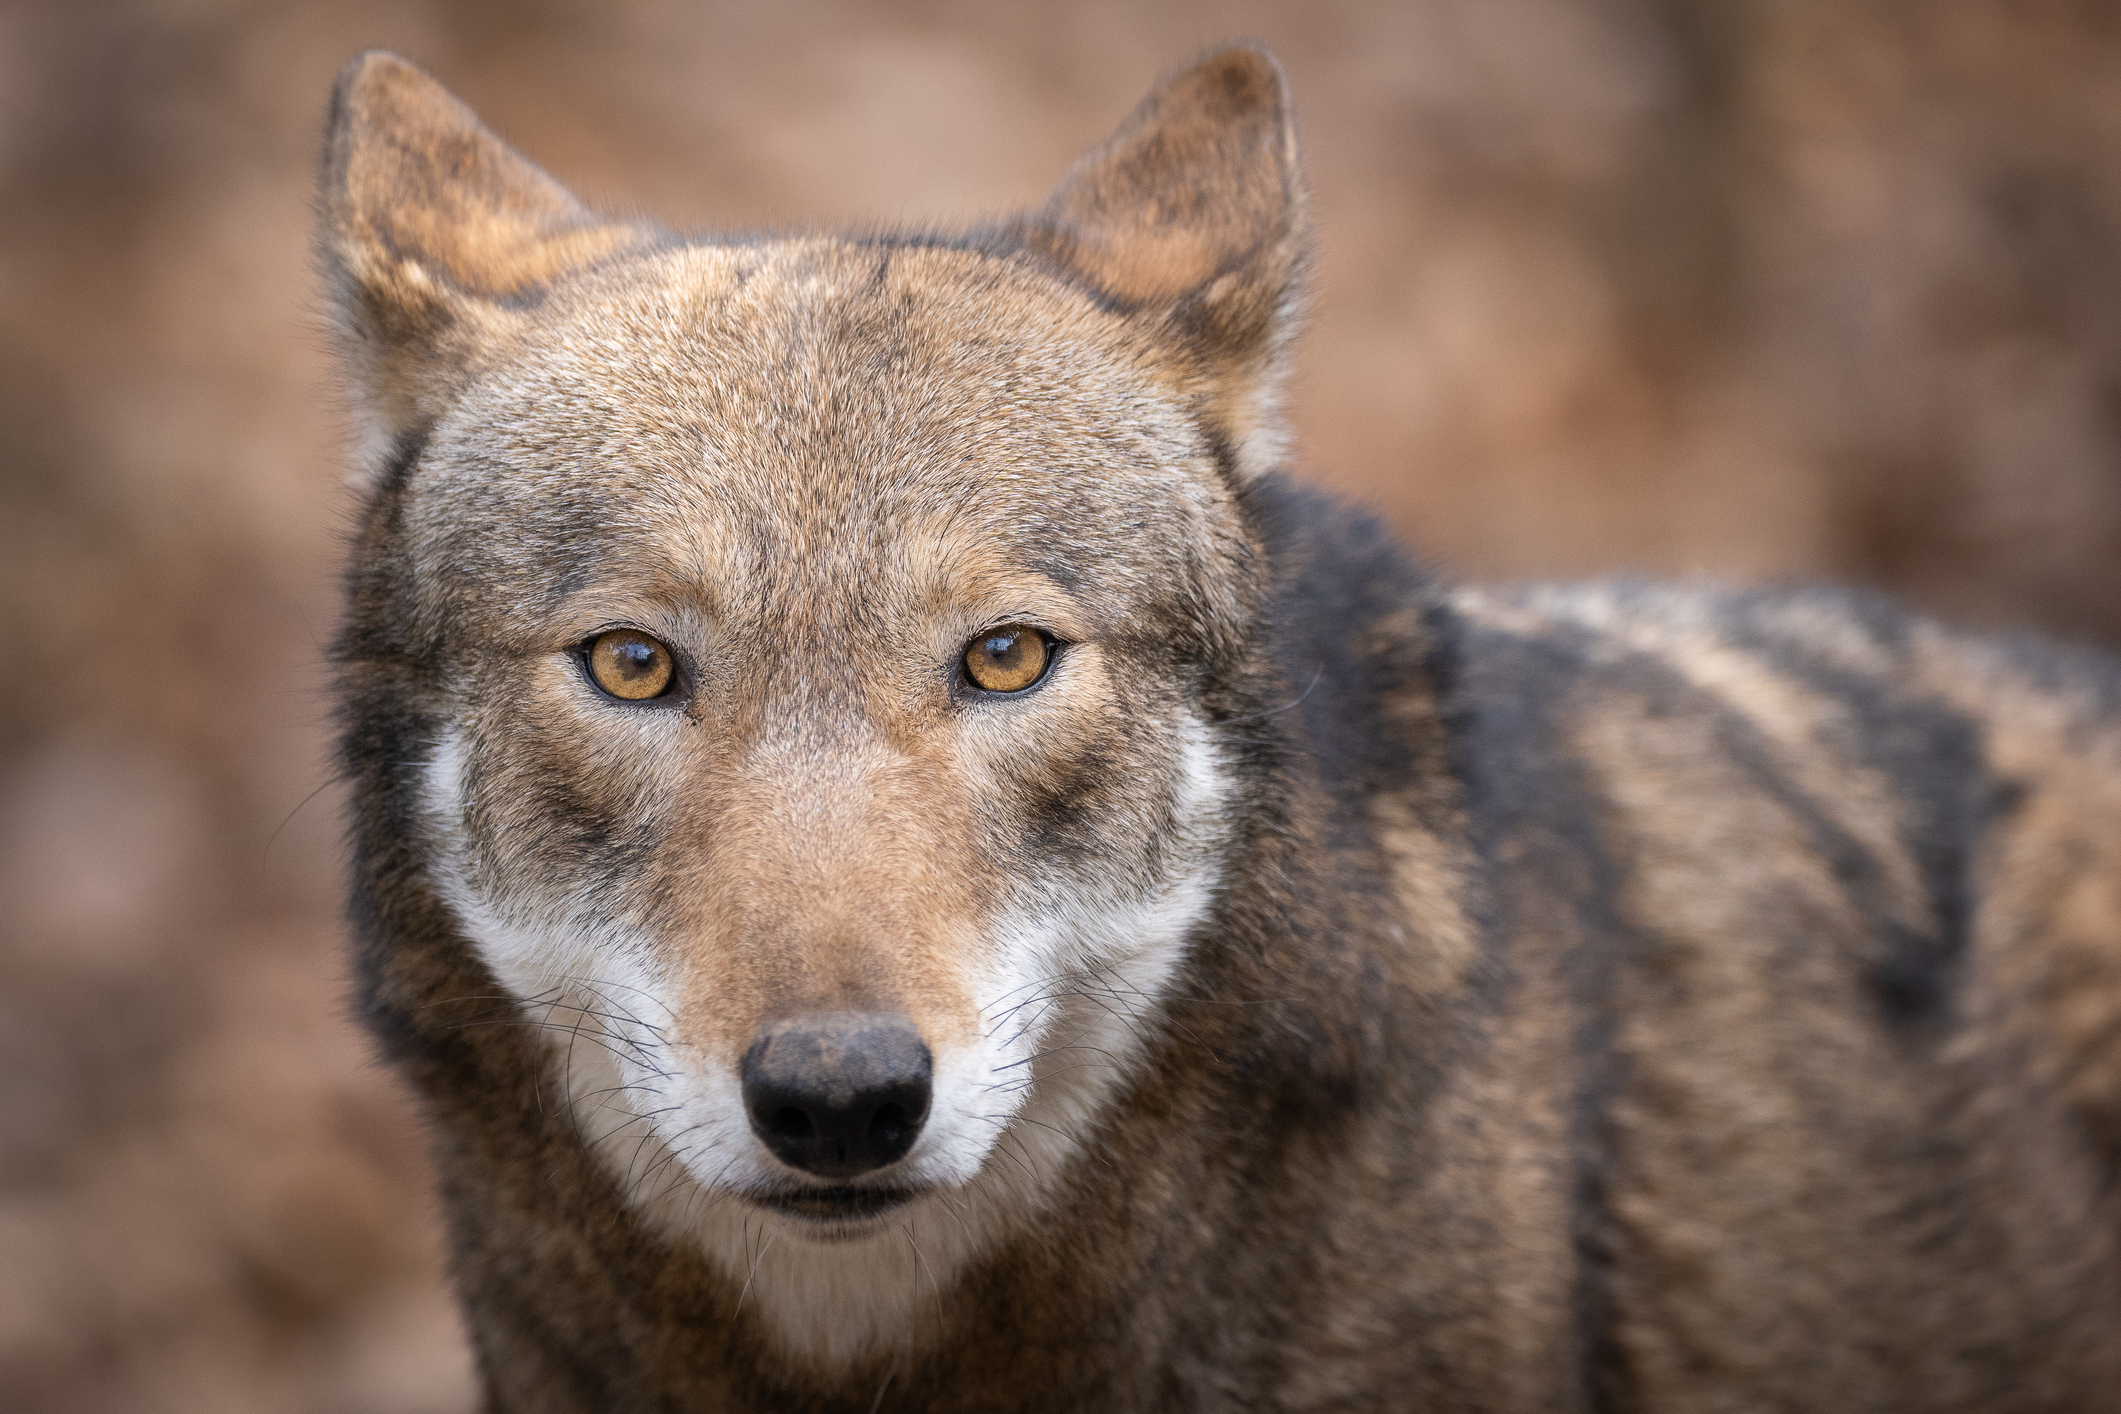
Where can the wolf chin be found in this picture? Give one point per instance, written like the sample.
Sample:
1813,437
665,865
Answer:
912,869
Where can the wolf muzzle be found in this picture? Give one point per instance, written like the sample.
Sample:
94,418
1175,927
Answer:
838,1094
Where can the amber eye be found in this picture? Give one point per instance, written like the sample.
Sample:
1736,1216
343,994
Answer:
1007,659
630,665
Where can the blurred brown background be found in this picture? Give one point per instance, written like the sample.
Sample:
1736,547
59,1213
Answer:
1751,289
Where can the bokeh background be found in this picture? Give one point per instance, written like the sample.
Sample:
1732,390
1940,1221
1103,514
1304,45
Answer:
1751,289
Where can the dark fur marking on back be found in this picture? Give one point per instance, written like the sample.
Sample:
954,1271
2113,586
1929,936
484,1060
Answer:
1343,574
1535,814
1935,758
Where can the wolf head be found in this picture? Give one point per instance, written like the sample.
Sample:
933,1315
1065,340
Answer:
809,662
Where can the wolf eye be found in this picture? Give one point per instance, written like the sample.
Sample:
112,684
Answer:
630,665
1007,659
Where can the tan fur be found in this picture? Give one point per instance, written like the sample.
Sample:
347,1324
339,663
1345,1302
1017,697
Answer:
1343,992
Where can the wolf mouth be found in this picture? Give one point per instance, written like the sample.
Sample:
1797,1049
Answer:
834,1206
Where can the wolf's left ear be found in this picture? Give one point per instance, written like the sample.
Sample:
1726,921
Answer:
434,234
1193,216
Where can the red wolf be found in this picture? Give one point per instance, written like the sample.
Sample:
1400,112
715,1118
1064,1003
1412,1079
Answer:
912,869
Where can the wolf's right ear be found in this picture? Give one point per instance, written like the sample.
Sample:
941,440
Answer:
434,233
1192,218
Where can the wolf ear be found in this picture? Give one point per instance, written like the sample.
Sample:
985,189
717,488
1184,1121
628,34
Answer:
434,232
1193,216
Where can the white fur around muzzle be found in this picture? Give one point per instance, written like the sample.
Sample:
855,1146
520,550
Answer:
1073,997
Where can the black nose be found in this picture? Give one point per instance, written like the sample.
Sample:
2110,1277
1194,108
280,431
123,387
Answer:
838,1094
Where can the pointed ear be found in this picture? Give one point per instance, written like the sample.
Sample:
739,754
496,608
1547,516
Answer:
1193,216
434,232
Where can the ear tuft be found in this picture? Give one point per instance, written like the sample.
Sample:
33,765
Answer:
432,227
1193,215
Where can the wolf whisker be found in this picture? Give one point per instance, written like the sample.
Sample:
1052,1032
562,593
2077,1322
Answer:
1286,706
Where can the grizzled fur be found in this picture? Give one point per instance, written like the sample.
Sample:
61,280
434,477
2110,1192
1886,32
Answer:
1347,990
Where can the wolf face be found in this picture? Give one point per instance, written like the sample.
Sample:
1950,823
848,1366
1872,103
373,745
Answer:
821,649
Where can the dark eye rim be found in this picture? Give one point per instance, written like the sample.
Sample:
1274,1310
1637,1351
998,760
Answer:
964,687
674,692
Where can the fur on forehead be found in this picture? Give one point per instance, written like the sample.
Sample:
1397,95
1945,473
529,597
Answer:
1186,230
817,400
